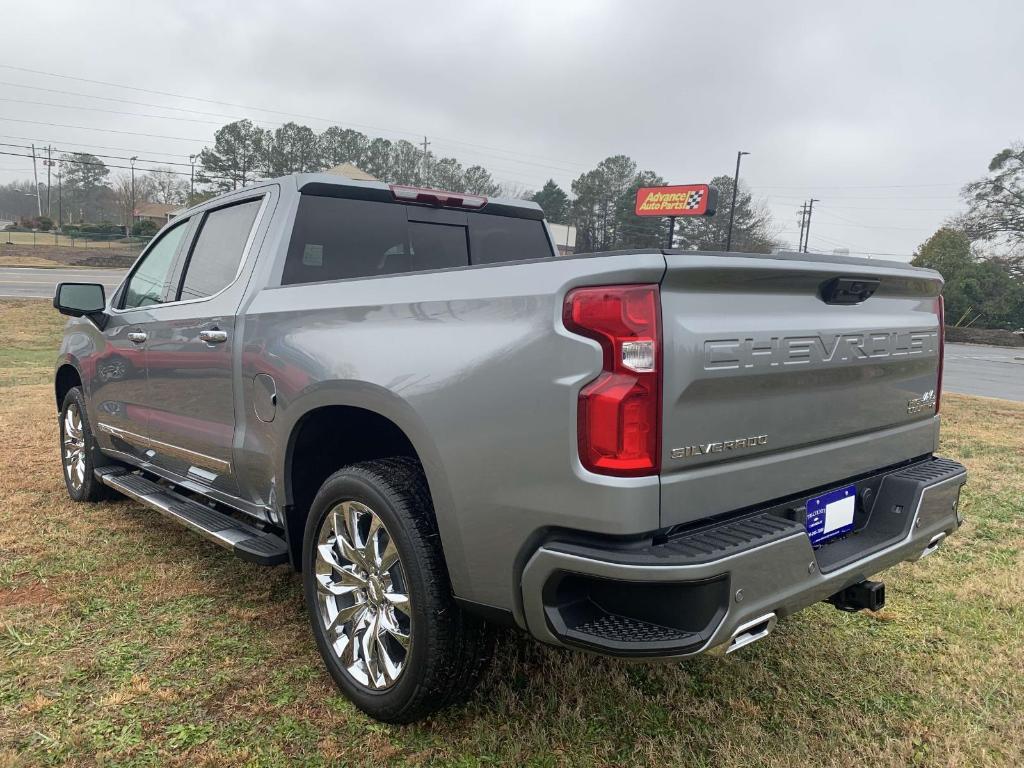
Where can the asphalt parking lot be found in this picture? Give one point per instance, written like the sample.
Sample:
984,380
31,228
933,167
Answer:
976,369
33,283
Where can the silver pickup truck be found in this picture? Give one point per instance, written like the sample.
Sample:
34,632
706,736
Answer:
406,395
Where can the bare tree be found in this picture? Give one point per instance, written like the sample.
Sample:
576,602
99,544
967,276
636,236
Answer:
144,191
168,186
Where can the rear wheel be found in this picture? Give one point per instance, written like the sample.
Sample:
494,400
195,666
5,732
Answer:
378,595
78,451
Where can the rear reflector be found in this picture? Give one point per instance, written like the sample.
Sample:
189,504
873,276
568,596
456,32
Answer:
437,197
618,417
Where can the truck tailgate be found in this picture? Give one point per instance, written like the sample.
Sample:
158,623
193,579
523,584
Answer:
770,390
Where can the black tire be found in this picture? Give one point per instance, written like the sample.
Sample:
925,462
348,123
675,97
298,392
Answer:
81,482
448,649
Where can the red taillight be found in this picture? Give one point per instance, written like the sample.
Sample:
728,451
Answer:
618,421
940,309
437,197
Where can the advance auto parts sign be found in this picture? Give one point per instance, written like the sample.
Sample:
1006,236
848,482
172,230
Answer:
680,200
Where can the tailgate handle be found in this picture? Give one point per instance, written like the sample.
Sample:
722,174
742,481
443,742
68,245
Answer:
848,290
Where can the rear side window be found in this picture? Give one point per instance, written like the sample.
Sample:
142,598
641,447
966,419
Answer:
502,238
337,238
218,250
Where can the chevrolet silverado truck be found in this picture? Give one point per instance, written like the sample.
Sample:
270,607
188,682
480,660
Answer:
406,395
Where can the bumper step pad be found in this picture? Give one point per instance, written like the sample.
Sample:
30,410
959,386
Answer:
623,629
246,541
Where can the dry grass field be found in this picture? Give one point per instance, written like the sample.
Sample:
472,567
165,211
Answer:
126,640
83,253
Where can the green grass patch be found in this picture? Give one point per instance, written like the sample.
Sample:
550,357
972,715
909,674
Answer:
128,641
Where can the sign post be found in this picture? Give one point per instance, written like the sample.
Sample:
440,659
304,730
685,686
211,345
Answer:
676,200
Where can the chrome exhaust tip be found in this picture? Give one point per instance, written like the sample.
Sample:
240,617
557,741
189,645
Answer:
933,545
751,632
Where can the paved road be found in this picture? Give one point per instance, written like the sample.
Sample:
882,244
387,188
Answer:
29,282
975,369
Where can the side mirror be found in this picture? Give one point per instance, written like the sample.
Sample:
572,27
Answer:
78,299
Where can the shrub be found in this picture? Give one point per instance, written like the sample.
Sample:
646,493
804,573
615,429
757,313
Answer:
145,228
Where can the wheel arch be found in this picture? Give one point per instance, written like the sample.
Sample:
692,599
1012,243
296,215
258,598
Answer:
392,422
65,379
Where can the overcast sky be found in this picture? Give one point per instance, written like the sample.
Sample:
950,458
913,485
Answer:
882,110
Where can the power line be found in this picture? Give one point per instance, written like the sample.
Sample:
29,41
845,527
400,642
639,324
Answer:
112,157
78,108
102,130
850,223
127,167
93,146
561,162
870,197
852,186
129,101
504,171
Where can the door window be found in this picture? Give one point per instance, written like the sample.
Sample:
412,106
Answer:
149,282
218,250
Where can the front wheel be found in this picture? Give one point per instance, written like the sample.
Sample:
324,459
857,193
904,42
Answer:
78,451
378,595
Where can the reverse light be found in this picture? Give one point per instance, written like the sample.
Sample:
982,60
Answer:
436,197
618,416
940,309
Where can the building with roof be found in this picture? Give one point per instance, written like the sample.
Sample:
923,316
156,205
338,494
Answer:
158,213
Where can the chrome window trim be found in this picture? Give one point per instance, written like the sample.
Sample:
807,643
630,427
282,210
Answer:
265,196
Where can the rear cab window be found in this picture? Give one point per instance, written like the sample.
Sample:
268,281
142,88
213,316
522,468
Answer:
217,251
339,238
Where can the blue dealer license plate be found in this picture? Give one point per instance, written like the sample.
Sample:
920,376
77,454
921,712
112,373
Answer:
831,514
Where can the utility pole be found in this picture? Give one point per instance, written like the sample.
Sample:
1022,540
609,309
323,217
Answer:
60,196
423,170
810,210
732,210
131,215
803,221
35,176
192,179
48,163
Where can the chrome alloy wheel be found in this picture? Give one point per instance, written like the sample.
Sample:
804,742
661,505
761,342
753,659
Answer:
73,444
362,595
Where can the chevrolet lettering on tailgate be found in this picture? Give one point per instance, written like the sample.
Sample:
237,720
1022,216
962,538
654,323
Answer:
772,351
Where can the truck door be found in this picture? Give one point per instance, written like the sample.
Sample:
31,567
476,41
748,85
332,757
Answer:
191,348
118,378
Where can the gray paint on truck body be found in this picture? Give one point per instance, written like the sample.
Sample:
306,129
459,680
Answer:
474,365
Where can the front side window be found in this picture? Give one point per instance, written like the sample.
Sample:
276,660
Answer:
149,282
218,250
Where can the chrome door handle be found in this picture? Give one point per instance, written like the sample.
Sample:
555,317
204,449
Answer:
137,337
213,337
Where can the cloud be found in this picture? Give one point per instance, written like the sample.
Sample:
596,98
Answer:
832,100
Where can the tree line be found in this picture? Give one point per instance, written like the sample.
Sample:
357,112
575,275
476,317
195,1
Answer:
601,206
980,253
83,190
